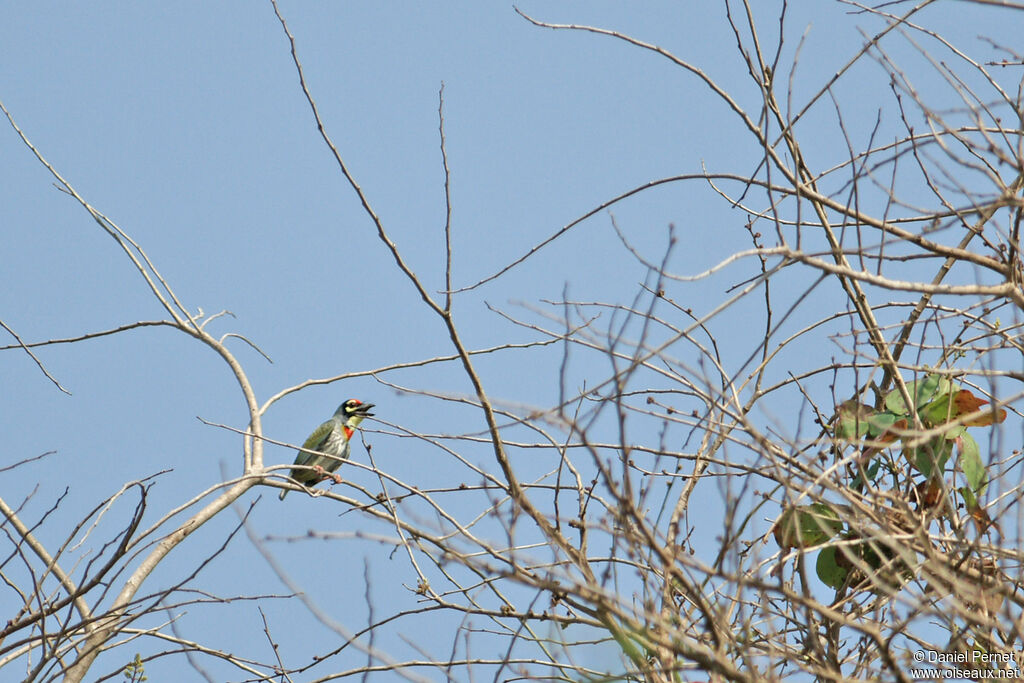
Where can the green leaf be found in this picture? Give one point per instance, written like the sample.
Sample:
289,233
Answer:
852,422
879,423
829,571
954,433
969,498
971,464
930,456
851,429
921,391
806,525
939,411
872,470
894,403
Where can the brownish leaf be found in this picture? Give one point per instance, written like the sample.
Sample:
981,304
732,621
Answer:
982,519
967,403
893,432
928,494
896,431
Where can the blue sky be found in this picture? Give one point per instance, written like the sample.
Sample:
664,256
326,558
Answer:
184,123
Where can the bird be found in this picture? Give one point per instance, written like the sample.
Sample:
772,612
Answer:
330,441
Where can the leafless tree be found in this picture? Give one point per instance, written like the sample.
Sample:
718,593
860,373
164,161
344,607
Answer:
829,496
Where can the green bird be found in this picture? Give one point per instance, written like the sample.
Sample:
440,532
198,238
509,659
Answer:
330,441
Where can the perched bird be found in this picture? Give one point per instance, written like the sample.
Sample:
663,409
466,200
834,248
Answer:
331,443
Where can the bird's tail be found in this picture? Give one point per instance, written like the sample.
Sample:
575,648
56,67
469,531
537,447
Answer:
284,492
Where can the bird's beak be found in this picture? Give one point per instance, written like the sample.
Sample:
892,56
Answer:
364,410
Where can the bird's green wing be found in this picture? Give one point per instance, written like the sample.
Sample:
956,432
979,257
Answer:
314,443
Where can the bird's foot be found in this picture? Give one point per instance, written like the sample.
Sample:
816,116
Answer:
323,475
